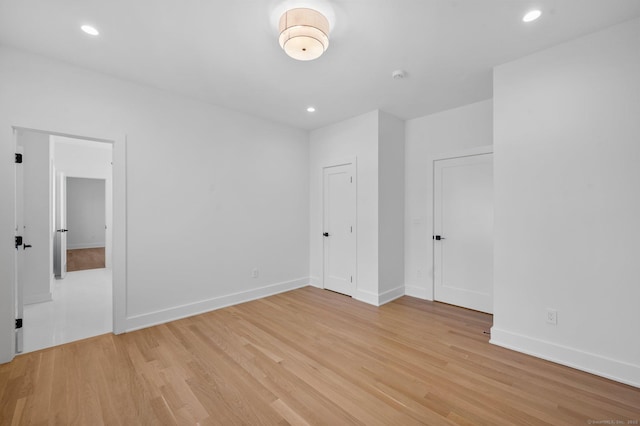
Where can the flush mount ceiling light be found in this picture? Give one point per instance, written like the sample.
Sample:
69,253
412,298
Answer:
304,33
90,30
531,16
311,109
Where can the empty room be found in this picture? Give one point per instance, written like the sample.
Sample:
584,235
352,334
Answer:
320,212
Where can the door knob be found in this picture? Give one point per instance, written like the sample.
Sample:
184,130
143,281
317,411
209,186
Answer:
326,234
62,230
438,237
26,246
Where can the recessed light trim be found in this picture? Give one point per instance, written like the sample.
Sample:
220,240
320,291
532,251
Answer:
311,109
90,30
398,75
532,15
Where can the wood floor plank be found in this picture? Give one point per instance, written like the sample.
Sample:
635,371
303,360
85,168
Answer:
88,258
307,357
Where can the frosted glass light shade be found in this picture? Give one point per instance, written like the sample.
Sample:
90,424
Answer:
304,33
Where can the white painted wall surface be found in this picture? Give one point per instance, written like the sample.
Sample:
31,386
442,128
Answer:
86,209
80,158
212,193
454,130
567,203
376,139
391,160
38,260
356,137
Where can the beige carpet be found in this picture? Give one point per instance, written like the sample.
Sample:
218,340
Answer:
81,259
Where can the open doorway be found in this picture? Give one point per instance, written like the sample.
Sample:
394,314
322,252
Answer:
59,307
86,223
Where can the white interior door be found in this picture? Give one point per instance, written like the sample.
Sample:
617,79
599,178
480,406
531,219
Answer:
463,231
339,233
19,256
60,243
36,270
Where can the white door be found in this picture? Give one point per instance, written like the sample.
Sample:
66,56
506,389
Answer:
36,190
19,257
463,231
339,228
60,242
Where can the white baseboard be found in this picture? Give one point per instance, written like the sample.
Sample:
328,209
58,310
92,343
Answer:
137,322
366,297
84,245
379,299
390,295
591,363
37,298
419,292
315,282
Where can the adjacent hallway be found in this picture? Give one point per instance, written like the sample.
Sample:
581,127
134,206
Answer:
81,308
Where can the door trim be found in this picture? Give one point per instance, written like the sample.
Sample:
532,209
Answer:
353,161
470,152
108,239
119,230
486,149
340,162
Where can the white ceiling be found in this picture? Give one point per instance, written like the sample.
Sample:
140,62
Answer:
227,53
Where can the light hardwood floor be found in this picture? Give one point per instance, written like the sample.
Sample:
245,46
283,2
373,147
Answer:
308,356
83,259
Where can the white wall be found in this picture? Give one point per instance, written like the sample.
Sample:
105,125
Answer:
82,158
454,130
376,139
86,209
391,207
211,193
356,137
38,259
567,203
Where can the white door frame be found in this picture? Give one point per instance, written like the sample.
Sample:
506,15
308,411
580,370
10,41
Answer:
119,231
108,225
335,163
60,214
18,260
485,149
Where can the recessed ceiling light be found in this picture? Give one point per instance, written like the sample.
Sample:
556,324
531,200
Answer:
311,109
90,30
532,15
398,75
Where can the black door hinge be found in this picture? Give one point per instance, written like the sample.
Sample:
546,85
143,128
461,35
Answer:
18,241
18,323
18,158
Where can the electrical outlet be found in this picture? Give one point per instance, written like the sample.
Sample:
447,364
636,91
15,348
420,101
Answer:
254,273
552,316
